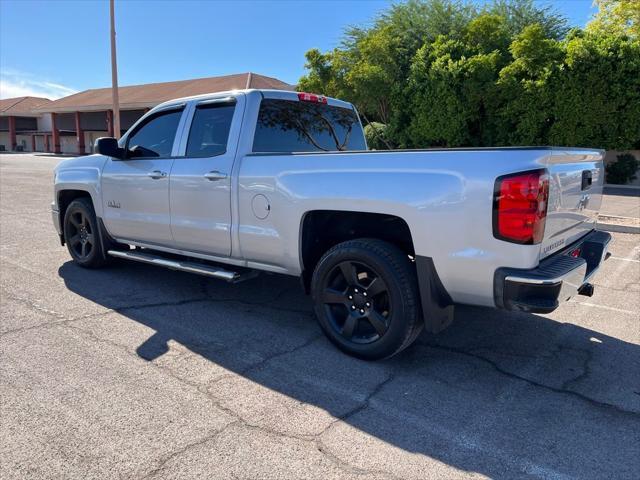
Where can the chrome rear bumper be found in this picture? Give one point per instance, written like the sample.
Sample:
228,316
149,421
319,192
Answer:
555,280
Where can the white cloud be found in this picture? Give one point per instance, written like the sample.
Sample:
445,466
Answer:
14,83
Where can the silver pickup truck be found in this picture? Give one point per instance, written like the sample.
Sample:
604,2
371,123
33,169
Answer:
387,242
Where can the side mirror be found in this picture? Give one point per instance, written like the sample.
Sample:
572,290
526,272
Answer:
108,146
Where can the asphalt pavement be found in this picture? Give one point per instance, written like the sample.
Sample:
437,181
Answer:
139,372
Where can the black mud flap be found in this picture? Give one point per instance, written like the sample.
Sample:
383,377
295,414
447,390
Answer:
437,306
106,241
102,233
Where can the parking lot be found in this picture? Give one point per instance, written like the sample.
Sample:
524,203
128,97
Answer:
139,372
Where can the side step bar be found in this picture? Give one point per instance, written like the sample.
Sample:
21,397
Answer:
185,266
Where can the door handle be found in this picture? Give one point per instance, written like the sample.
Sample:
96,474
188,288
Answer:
156,174
215,175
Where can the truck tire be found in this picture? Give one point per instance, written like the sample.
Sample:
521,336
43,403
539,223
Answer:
81,234
365,293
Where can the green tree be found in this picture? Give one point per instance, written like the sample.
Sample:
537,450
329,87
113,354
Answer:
518,14
617,16
327,72
448,73
597,93
376,136
452,87
372,76
372,64
524,114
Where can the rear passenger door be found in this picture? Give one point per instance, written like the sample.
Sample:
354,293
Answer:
200,182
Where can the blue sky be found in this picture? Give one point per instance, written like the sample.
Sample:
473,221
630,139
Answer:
56,47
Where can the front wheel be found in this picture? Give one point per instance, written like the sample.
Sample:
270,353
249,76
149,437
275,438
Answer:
366,298
81,234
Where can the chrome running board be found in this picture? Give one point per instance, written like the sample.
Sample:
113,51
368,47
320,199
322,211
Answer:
185,266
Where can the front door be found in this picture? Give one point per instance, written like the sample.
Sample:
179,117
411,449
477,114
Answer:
135,191
200,182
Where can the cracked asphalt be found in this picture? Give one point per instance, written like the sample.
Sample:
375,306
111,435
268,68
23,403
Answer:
139,372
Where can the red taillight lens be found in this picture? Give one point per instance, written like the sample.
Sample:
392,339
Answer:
311,97
520,207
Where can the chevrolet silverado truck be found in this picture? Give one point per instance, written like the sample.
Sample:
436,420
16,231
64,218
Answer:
386,242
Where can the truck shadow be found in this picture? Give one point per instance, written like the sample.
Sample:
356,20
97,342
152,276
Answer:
504,395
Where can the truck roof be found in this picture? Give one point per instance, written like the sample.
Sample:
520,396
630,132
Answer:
266,93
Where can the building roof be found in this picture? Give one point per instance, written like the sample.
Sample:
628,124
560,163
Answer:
21,106
151,94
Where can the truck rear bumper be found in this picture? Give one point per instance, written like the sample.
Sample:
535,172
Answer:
555,280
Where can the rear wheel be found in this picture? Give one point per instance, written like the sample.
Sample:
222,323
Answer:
81,234
366,298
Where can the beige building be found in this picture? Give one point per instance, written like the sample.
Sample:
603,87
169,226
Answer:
77,120
71,124
21,127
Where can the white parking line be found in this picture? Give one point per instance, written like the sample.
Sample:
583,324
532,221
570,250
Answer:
621,310
625,259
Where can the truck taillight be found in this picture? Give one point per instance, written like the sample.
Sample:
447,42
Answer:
520,207
311,97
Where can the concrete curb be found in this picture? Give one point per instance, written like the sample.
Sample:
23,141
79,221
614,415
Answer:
45,154
58,155
619,224
610,227
625,187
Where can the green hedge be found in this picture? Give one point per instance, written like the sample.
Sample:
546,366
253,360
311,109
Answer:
446,73
623,170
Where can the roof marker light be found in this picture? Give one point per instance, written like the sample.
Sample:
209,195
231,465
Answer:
311,97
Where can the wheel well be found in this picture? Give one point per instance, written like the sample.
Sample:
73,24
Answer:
322,229
65,197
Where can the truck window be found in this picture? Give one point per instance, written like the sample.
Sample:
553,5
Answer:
154,138
210,130
290,126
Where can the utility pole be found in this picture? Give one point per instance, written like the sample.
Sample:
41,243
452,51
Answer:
114,74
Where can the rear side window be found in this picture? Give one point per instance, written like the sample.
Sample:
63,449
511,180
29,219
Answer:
210,130
155,137
290,126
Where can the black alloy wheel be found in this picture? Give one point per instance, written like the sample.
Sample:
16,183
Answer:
356,301
366,298
81,234
82,240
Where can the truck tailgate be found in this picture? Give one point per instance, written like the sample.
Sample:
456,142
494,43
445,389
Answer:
576,177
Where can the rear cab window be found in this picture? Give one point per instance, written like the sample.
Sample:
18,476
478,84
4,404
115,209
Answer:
210,127
286,126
